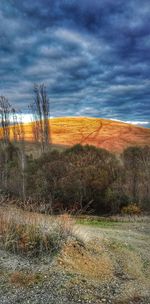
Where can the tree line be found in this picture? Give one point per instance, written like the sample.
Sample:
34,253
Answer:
80,178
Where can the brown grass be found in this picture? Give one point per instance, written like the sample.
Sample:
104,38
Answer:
131,209
33,234
24,279
91,262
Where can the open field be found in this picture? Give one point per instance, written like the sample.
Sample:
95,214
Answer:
105,263
111,135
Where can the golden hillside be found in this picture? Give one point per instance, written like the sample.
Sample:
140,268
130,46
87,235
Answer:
111,135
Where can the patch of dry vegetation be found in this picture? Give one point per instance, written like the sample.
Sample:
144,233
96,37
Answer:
90,261
33,234
22,279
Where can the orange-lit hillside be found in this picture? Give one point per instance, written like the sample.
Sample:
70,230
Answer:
111,135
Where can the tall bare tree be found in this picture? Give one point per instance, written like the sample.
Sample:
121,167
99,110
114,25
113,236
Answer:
41,113
21,154
15,125
5,112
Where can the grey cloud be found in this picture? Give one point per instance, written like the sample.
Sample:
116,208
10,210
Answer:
93,56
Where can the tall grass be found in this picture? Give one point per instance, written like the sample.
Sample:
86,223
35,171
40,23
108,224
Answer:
33,234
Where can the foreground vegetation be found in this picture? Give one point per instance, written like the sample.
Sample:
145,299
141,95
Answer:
31,234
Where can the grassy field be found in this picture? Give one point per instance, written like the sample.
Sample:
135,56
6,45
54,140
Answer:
95,261
98,223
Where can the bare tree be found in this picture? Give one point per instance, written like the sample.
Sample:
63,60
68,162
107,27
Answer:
35,123
21,130
15,125
5,111
41,111
21,154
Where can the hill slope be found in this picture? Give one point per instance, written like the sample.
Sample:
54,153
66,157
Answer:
111,135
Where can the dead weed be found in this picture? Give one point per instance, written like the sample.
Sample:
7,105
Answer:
90,261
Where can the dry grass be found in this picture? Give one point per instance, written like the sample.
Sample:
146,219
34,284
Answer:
22,279
131,209
129,261
32,234
90,261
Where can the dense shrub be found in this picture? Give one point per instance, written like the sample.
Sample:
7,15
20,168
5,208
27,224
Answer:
79,175
131,209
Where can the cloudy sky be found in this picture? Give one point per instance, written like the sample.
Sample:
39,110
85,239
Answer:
93,56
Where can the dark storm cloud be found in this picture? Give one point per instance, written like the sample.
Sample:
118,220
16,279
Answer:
93,56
